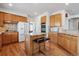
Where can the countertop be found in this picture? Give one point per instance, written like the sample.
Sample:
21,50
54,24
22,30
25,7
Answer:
75,33
36,34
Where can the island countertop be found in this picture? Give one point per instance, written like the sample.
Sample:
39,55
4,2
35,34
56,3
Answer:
34,34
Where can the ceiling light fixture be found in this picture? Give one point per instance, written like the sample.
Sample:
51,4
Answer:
10,4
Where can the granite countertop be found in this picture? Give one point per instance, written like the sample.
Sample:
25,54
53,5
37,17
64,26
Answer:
75,33
36,33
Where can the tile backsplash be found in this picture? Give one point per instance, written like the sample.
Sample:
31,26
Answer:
10,27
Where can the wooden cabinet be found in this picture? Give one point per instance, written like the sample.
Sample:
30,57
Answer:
68,42
58,20
73,45
53,37
5,38
7,17
32,47
22,19
55,20
43,19
52,20
0,41
14,36
9,37
13,17
61,39
1,18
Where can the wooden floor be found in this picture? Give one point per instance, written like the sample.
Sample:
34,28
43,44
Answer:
14,49
18,49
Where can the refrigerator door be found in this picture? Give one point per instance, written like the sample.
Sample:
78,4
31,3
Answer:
21,31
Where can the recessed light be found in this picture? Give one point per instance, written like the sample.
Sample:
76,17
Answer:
10,4
35,13
66,4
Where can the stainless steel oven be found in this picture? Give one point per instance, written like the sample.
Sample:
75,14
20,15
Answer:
43,28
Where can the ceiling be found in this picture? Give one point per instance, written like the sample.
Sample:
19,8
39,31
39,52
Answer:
35,9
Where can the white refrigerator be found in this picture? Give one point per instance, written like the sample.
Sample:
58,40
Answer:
23,30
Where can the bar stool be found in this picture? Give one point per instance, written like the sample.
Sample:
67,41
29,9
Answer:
39,41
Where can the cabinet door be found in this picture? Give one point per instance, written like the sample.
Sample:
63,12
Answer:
62,40
14,18
25,19
67,42
54,35
7,17
59,40
52,20
1,18
0,41
14,37
73,45
58,20
43,19
6,38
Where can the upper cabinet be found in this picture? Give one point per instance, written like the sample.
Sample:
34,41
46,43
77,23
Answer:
7,17
55,20
22,19
52,20
1,18
13,17
43,19
58,20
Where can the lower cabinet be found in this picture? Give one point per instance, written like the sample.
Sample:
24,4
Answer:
73,45
53,37
0,41
61,39
68,42
9,37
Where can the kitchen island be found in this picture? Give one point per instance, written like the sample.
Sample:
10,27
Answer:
29,43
